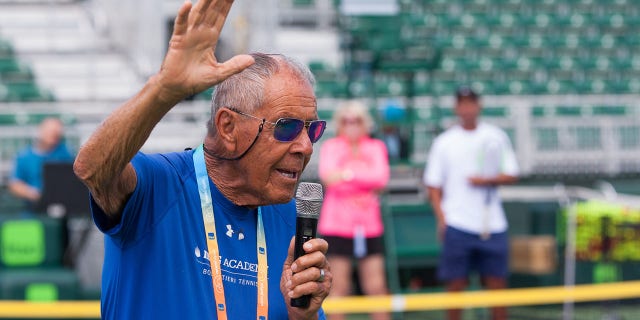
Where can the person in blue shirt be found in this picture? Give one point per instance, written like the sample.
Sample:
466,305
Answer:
207,233
26,179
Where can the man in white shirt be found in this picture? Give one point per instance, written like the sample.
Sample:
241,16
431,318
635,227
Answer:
465,165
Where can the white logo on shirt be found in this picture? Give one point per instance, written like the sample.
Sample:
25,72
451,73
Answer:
229,231
202,256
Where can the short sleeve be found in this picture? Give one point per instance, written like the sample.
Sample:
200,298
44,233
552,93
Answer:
509,162
155,189
434,172
19,169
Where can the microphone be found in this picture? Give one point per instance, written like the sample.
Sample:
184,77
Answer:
308,204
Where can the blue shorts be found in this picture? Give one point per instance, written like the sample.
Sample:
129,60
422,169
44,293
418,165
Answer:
464,252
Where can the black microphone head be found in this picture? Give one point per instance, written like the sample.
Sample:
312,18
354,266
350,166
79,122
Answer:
309,199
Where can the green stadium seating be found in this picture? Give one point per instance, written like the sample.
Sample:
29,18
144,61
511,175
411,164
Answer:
628,137
495,111
410,238
11,70
391,87
28,91
30,243
610,110
39,285
303,3
31,254
561,42
547,139
205,95
539,112
588,138
33,118
8,64
568,111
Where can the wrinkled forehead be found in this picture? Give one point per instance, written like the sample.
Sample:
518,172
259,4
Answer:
287,88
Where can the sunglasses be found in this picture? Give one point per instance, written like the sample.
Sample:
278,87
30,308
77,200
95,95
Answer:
287,129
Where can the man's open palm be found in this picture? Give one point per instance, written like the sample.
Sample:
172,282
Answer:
190,65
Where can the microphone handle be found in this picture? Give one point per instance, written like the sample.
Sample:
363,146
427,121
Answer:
305,230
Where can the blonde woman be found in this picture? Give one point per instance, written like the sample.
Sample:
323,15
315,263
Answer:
354,169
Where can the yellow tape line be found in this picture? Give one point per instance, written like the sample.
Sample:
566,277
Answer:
508,297
408,302
53,310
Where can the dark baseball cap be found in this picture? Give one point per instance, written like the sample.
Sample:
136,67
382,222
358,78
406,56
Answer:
466,92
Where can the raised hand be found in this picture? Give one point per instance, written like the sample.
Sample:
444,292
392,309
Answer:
190,65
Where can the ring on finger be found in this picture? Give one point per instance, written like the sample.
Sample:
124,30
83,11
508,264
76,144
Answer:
321,278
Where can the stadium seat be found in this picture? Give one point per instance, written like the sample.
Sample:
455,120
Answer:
628,137
410,238
588,138
610,110
29,243
39,285
11,70
495,111
391,87
559,42
573,111
303,3
547,139
28,91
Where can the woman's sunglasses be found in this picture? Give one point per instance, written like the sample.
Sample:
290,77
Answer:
287,129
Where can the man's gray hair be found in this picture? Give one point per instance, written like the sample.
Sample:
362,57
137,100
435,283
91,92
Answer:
244,91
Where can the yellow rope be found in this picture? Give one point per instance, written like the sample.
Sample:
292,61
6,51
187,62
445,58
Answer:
508,297
407,302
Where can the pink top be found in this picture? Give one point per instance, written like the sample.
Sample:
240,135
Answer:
353,203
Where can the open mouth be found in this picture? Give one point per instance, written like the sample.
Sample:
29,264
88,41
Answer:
288,174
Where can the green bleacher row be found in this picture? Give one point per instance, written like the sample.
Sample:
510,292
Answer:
360,88
500,47
17,81
435,114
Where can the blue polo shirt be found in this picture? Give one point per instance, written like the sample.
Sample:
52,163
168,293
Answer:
29,162
156,259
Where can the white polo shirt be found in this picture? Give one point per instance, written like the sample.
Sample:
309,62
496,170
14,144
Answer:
458,154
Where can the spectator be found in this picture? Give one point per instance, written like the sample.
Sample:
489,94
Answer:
465,165
207,233
49,146
354,168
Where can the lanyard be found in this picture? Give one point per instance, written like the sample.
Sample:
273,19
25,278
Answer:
214,251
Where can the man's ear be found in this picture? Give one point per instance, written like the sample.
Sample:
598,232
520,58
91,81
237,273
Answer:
225,121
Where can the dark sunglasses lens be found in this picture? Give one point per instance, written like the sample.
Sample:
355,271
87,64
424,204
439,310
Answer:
287,129
316,129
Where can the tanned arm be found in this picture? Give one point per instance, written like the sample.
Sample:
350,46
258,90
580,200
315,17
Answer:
103,162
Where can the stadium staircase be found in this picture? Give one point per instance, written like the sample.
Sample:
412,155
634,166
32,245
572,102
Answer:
63,44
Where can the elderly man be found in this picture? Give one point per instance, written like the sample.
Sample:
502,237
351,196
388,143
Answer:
206,234
26,180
